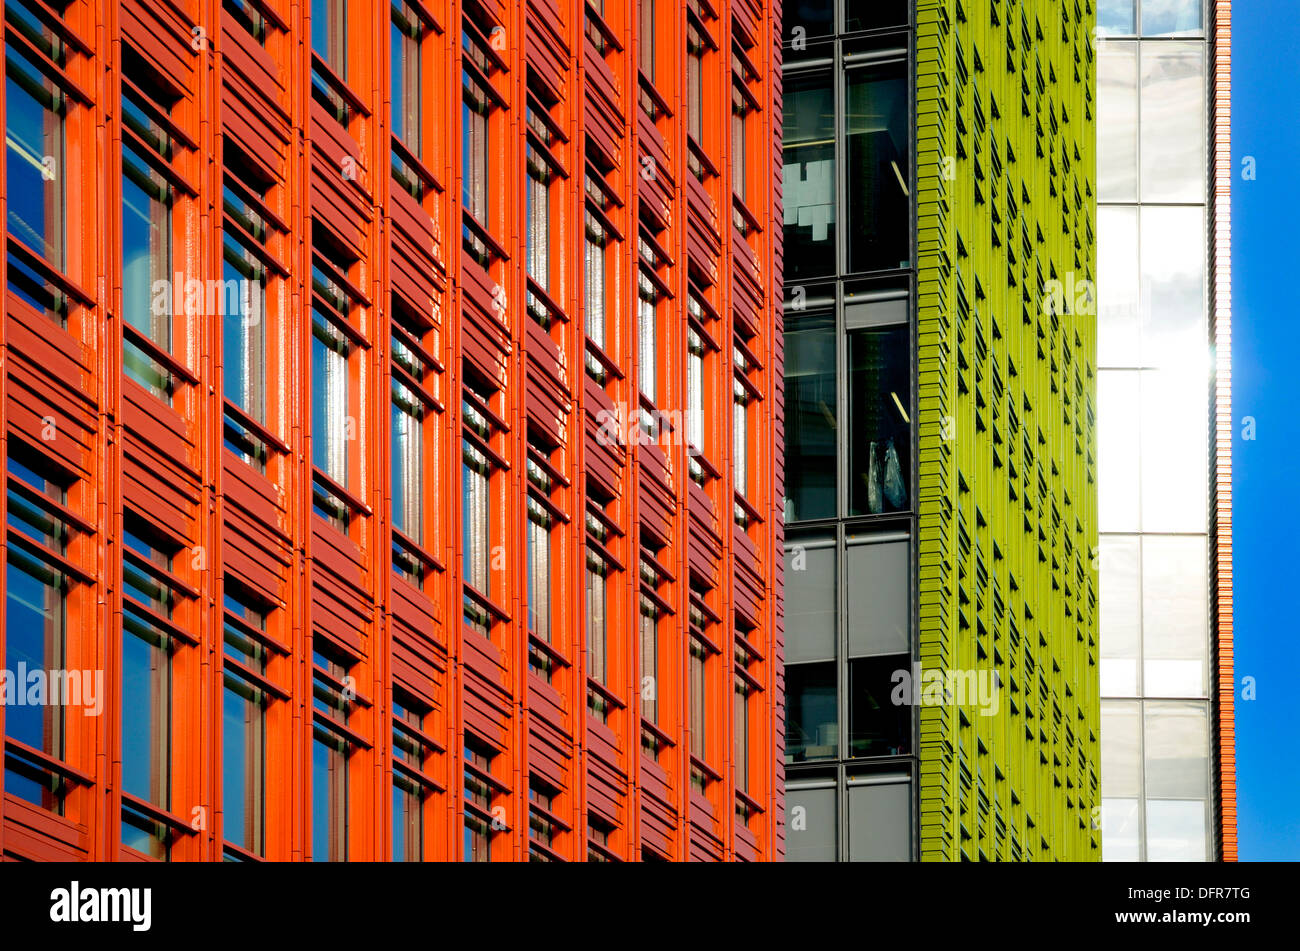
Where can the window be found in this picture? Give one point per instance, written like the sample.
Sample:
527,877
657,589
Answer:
695,83
329,45
541,519
812,718
812,401
1171,17
815,836
334,321
739,109
595,295
542,823
148,294
740,437
879,168
694,391
405,33
1172,130
333,698
35,623
150,595
1116,17
246,275
880,441
809,185
1117,125
243,737
647,337
598,835
1121,781
1177,779
248,16
879,645
476,510
35,114
648,635
646,38
874,14
478,101
482,818
597,607
741,734
699,709
411,751
413,447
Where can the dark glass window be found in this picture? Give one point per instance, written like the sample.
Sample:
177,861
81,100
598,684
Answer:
811,410
879,430
874,14
809,191
879,167
811,720
877,725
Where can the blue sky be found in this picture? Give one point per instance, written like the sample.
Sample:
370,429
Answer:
1266,358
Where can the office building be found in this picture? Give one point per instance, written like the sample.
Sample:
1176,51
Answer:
1165,430
940,457
388,405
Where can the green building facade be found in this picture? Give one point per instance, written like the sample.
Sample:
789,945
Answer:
940,473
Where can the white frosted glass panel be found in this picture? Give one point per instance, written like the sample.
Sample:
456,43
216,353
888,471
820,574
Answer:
1172,127
1120,830
1177,749
1175,616
1117,450
1121,758
1173,287
1118,287
1173,450
1117,121
1176,831
1121,615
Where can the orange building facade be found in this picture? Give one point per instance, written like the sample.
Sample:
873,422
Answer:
391,431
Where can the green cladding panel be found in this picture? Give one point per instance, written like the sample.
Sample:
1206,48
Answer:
1006,376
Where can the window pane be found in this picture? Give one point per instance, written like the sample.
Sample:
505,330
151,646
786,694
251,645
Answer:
879,606
1173,287
1120,830
1176,831
873,14
243,331
1117,122
811,832
34,637
1171,17
1121,612
1121,757
1173,122
1117,450
817,17
243,783
880,822
877,725
1177,750
329,405
1116,17
811,408
329,792
811,718
1175,616
880,446
146,719
810,604
1118,337
34,170
328,33
879,167
809,191
1174,448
